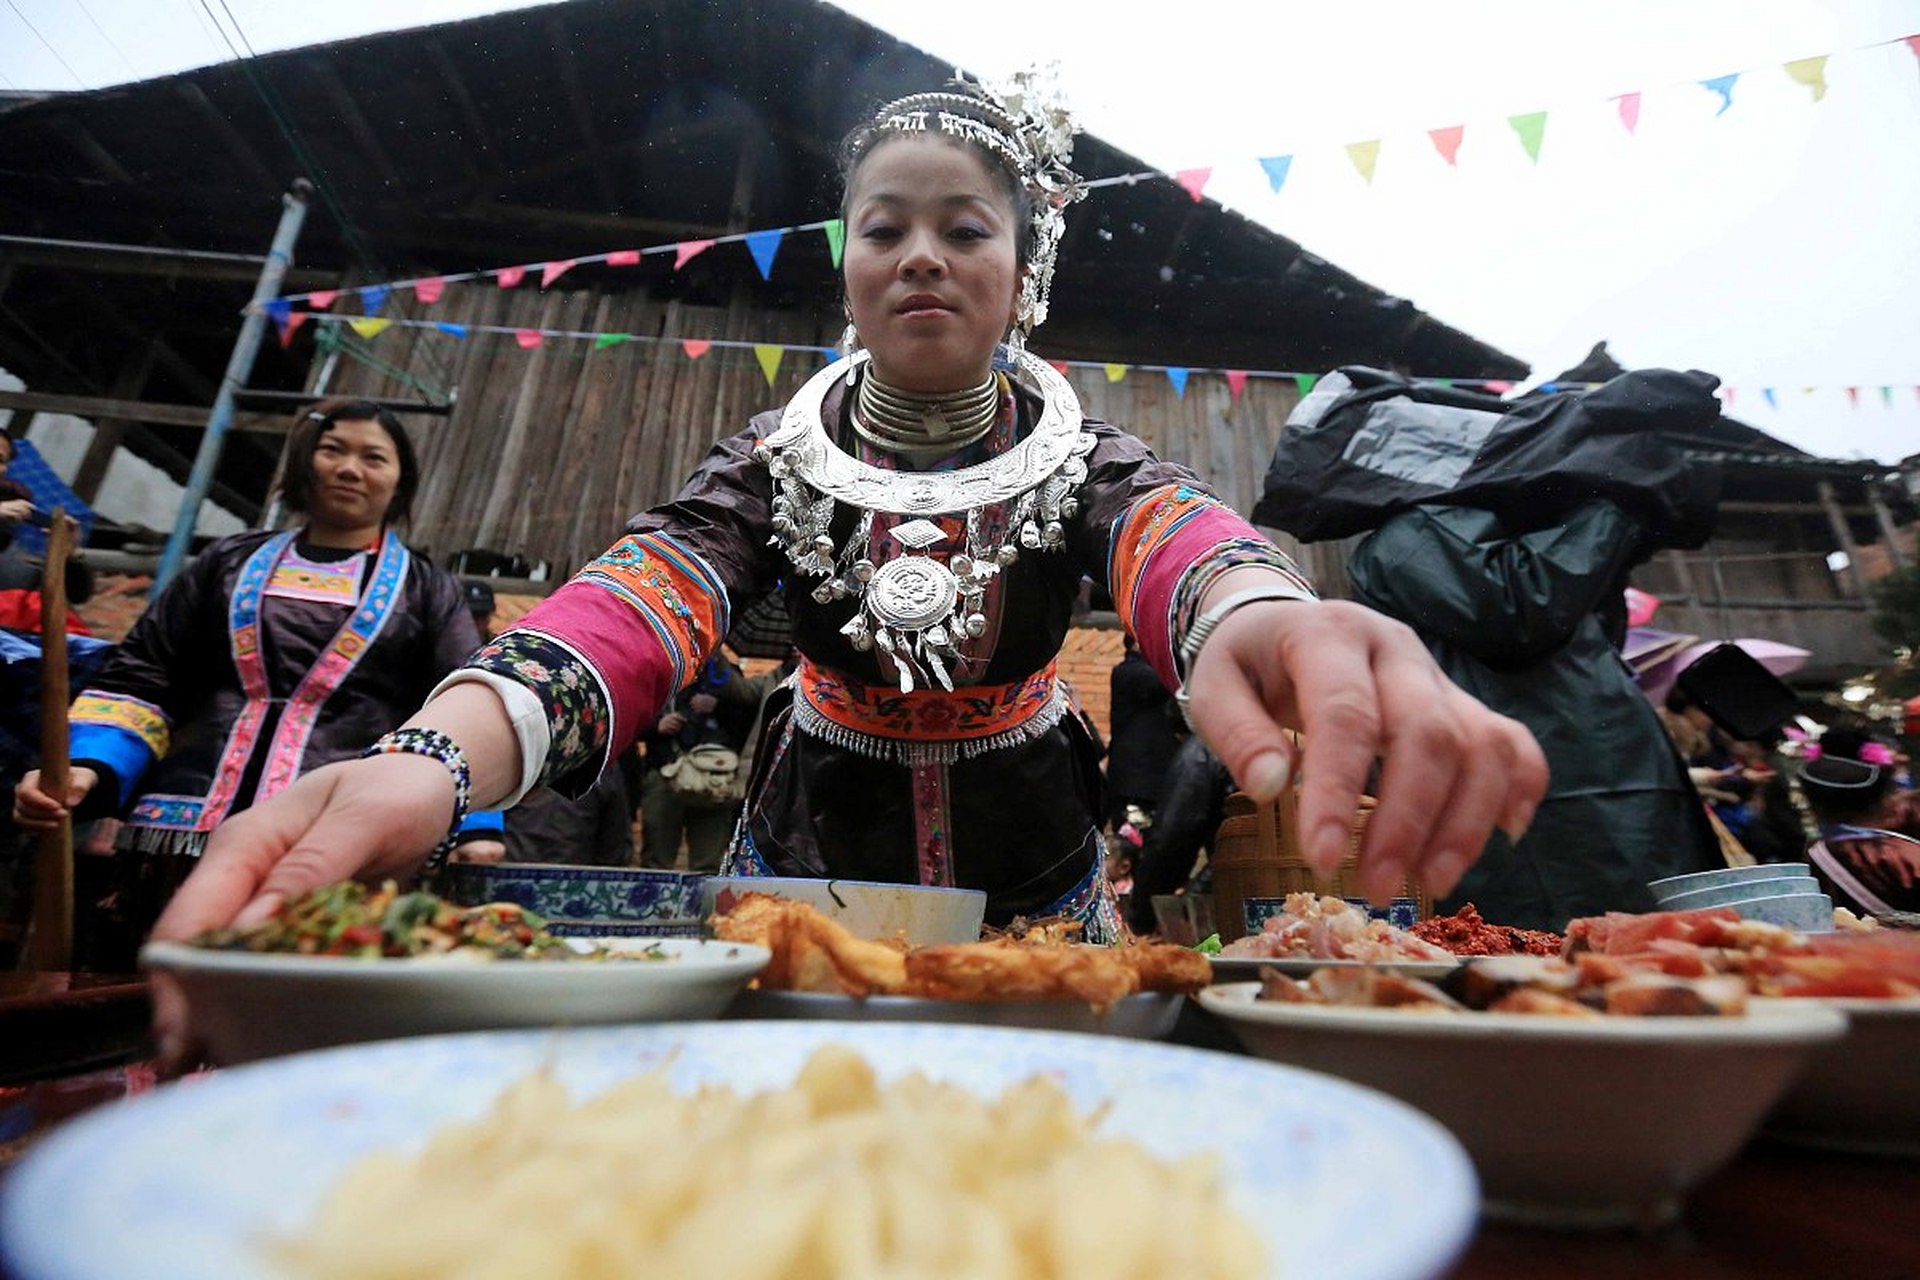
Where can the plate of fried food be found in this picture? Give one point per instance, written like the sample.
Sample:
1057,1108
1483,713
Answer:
803,1151
1034,975
348,963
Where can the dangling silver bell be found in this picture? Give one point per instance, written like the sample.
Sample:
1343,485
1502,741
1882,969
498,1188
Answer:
783,526
937,637
823,593
976,625
1056,533
823,544
762,454
1030,536
1007,555
863,570
962,566
1069,507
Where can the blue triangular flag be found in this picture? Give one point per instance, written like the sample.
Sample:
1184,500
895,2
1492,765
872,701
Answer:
1178,377
280,311
457,330
372,298
1548,388
1722,85
829,354
1276,167
763,245
1773,401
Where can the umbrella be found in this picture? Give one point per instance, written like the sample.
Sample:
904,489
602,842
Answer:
1646,648
1781,659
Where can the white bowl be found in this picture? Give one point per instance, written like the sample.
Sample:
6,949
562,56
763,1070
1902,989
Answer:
1670,885
1861,1093
1726,895
1148,1015
926,916
249,1005
1571,1122
1806,912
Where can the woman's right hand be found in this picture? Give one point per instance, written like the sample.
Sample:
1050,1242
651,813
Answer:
35,810
357,820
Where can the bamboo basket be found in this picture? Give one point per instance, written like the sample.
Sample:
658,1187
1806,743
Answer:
1256,854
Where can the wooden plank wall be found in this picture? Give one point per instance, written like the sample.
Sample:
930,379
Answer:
549,450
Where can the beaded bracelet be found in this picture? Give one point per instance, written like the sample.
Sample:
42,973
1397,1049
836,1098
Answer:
1203,627
434,745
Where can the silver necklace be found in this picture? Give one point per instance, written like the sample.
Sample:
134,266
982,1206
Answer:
916,610
924,425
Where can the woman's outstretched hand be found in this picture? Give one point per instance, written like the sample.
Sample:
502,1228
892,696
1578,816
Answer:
1361,687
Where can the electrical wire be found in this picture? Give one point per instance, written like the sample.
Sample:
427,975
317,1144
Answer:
49,44
114,44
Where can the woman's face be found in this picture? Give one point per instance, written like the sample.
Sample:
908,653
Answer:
355,472
930,264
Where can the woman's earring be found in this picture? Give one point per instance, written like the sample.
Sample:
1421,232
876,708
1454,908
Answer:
850,340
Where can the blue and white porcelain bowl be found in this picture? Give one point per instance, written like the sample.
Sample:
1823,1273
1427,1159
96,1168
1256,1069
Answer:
564,893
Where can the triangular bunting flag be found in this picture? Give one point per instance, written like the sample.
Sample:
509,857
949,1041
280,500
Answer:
1497,386
429,291
1236,383
1853,397
1364,156
454,330
836,233
1115,372
1447,142
1722,85
602,341
373,298
510,277
292,326
624,258
1549,388
695,347
1178,377
763,245
1811,72
829,354
687,250
279,310
1531,127
1276,167
1767,394
1060,366
1807,391
1727,393
553,271
1305,381
370,326
768,354
1194,182
1629,110
322,300
1886,396
528,338
1913,44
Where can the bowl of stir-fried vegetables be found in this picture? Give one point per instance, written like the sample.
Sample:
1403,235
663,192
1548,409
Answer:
348,963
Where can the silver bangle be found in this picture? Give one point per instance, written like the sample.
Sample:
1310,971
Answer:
1209,619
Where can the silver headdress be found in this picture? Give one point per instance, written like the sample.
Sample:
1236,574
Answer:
1023,122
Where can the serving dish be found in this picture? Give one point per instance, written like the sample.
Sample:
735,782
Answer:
1739,891
1247,968
198,1180
1668,886
249,1005
1150,1015
1860,1093
1571,1122
559,891
925,915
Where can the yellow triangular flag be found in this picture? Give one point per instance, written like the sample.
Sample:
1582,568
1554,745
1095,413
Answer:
769,357
370,326
1364,156
1115,372
1811,72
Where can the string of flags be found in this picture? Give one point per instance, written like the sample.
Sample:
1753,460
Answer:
764,245
772,355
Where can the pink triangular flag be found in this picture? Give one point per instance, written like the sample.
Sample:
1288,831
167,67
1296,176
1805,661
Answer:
1629,110
1194,180
1913,43
1497,387
553,271
429,291
695,347
510,277
1447,142
1061,365
527,338
687,249
1236,382
322,300
294,320
1728,393
624,258
1853,397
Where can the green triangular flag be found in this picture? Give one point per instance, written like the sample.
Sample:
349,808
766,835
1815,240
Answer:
1531,127
604,340
1443,382
769,357
836,232
1305,382
1364,156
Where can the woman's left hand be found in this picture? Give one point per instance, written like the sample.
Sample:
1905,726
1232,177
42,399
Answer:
1361,687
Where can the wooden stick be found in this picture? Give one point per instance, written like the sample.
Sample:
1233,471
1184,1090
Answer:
50,945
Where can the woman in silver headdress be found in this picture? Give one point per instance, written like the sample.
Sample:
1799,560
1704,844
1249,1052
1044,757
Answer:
929,505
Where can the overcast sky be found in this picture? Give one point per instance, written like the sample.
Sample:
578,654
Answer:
1774,243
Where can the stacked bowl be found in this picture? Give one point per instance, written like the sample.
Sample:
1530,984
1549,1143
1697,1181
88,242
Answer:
1782,893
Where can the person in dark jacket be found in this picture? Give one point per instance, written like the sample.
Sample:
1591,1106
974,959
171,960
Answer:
1528,620
1188,811
1143,720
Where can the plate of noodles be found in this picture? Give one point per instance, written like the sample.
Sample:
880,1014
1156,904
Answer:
791,1149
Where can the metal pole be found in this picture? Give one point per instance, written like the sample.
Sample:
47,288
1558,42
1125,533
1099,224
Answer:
293,211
